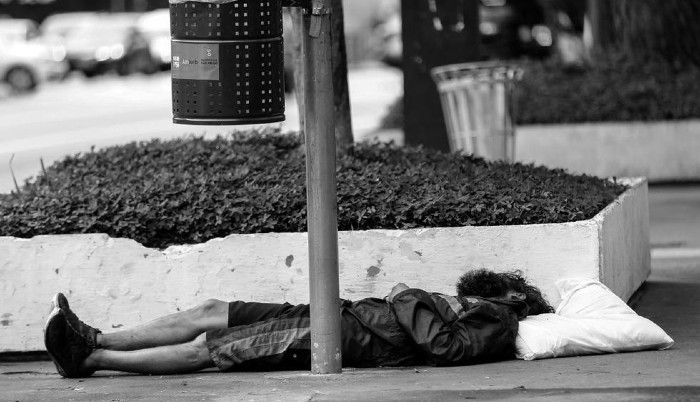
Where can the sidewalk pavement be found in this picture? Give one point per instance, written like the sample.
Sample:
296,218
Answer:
670,298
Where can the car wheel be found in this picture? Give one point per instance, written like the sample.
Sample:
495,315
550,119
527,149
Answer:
137,63
150,65
128,65
288,81
124,68
21,79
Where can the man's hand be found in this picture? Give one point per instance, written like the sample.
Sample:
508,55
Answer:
398,288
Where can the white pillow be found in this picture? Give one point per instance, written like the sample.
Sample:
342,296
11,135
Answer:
590,320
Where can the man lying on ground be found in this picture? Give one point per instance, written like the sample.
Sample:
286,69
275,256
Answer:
408,327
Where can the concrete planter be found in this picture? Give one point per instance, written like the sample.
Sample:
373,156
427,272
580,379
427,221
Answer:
117,282
659,151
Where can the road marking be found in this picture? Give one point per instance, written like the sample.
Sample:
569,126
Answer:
676,252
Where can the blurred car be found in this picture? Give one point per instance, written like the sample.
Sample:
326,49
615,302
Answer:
18,30
514,28
155,26
509,29
24,65
111,42
59,26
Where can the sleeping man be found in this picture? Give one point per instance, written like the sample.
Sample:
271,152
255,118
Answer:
408,327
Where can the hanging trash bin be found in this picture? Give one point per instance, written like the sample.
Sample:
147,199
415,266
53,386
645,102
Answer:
227,61
479,107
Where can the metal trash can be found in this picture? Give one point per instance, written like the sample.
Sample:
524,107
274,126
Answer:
227,61
479,106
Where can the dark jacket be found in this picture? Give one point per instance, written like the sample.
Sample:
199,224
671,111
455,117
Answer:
418,327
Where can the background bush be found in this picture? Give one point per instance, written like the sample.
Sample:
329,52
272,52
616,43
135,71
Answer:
614,89
192,190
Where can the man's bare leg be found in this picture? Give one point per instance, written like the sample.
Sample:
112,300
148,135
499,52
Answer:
173,359
174,329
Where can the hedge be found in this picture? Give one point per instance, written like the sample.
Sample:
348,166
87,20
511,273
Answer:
614,89
190,190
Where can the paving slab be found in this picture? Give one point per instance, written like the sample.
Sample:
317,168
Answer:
670,298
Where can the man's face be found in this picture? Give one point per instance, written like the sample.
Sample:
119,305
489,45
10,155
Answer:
513,295
484,283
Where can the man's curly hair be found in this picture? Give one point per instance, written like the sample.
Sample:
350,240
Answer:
485,283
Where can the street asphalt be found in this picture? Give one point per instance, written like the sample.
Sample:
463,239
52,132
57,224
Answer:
670,298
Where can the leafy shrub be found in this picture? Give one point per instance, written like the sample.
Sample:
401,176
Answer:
192,190
613,89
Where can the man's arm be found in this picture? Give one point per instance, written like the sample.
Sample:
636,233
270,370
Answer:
484,331
398,288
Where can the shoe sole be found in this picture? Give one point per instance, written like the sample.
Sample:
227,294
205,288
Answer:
54,312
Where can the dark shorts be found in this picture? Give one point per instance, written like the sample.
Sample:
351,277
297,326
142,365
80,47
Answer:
263,337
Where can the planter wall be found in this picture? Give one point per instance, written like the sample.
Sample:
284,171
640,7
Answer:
113,283
659,151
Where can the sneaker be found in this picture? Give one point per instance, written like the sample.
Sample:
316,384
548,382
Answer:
65,349
80,328
68,340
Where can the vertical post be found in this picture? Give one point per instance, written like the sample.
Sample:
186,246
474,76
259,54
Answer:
298,61
341,92
326,357
440,32
599,21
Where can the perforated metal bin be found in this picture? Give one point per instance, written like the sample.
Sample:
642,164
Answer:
227,61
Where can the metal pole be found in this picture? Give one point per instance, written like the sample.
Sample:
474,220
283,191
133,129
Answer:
326,356
441,32
600,21
341,94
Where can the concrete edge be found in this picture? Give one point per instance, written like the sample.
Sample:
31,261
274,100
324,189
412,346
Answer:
118,282
624,232
662,151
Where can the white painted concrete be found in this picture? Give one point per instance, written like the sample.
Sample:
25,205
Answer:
659,151
675,253
113,283
624,242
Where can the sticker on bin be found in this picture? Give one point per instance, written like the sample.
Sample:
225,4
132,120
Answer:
195,61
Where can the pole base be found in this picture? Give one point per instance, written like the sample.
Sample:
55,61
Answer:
203,121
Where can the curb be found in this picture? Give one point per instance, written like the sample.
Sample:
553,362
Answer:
122,283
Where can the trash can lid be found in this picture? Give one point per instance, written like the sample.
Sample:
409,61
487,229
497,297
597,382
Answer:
489,71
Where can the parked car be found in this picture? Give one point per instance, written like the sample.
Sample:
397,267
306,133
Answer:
26,59
509,29
18,30
59,26
514,28
111,42
155,26
25,65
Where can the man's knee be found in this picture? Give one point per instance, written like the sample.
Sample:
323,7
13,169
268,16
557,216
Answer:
212,306
211,314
